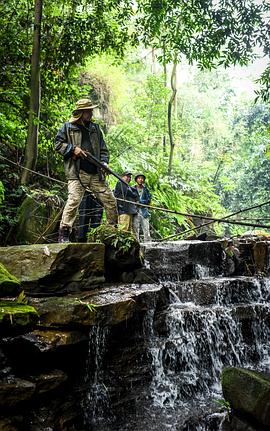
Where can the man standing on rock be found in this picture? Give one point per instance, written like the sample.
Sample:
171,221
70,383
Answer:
75,140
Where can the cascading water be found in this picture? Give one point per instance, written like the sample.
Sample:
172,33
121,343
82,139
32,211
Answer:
173,356
210,324
95,405
198,342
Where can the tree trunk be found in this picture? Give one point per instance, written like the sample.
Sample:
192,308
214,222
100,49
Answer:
170,105
154,68
165,85
31,149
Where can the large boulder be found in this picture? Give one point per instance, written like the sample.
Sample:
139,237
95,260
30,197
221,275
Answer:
48,382
38,217
55,268
248,393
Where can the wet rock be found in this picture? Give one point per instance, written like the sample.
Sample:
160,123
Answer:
48,382
108,306
223,291
9,284
14,390
7,424
55,268
249,312
140,275
254,257
41,341
183,260
261,257
248,392
237,423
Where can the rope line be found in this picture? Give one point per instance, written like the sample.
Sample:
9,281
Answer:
210,219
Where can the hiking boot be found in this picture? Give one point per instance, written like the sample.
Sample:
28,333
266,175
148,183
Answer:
64,233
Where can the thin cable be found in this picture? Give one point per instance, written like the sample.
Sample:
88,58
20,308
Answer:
211,219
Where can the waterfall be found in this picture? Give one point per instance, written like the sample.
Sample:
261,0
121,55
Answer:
96,403
168,360
210,323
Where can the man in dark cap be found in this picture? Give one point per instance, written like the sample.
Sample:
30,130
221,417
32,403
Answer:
75,140
126,210
141,219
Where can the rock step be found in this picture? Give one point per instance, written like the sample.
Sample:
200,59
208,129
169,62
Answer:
185,260
252,320
107,306
14,316
48,269
221,291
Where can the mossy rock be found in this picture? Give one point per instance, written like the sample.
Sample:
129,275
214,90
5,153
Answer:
9,284
248,393
38,217
53,268
122,250
16,315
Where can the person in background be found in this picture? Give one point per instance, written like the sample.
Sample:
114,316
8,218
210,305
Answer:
141,219
126,210
75,140
90,216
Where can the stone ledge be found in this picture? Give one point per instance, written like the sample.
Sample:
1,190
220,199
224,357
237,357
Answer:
107,306
55,268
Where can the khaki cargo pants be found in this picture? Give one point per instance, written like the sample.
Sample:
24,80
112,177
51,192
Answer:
125,222
100,190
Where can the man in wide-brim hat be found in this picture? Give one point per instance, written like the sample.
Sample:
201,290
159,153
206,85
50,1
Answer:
76,138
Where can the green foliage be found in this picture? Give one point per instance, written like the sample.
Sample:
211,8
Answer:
220,155
140,140
22,299
91,307
2,192
245,180
225,404
122,241
6,277
211,33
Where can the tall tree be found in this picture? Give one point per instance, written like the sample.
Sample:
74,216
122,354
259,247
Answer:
208,32
31,148
170,107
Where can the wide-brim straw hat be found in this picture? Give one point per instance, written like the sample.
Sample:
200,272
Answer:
81,105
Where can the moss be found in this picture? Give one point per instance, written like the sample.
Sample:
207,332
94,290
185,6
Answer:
122,241
6,277
12,313
229,374
248,392
37,215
